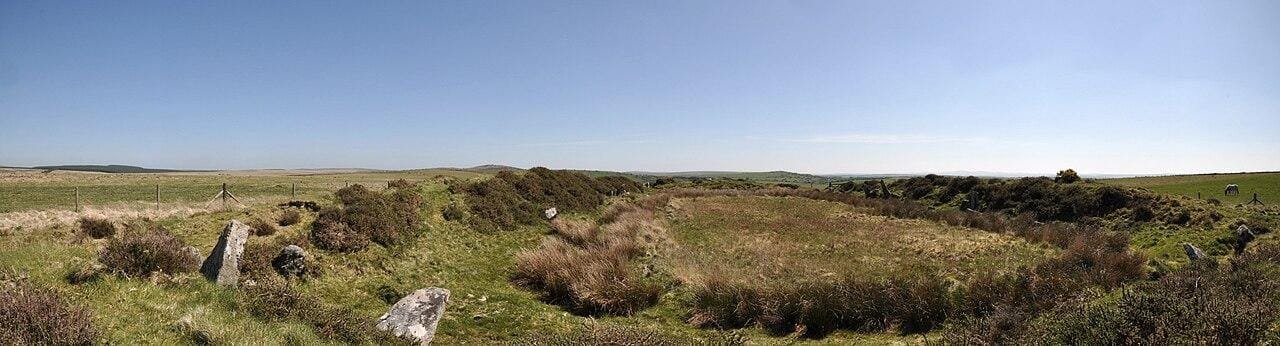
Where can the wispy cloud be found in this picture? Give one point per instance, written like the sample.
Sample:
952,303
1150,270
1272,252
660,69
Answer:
865,138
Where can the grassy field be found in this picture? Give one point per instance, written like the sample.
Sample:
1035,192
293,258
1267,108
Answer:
1266,185
486,307
791,238
36,190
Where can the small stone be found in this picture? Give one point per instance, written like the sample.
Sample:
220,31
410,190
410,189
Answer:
291,262
417,315
223,264
550,213
1193,252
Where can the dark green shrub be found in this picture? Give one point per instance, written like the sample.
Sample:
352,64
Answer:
290,217
146,248
97,228
1066,176
31,315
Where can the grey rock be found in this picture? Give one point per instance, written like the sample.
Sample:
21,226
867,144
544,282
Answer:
291,262
1193,252
223,264
550,213
416,316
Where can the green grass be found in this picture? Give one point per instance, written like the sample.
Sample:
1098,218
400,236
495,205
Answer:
34,190
791,239
1266,185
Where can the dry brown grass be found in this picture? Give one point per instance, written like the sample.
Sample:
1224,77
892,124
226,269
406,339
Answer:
590,269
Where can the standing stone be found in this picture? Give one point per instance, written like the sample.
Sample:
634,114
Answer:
416,315
1193,252
223,264
550,213
291,262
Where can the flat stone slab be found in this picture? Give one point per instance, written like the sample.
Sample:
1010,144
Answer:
223,264
416,316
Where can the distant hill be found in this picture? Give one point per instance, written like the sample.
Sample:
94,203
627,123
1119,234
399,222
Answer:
107,169
771,177
491,169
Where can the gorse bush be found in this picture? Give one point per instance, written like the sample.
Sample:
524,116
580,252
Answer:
33,315
1067,176
146,248
509,199
387,218
97,228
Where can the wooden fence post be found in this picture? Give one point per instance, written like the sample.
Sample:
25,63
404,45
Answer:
157,198
77,199
293,192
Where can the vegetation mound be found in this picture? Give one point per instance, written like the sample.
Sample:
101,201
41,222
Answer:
146,248
33,315
97,228
509,199
386,218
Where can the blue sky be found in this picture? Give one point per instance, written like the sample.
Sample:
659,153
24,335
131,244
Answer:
809,86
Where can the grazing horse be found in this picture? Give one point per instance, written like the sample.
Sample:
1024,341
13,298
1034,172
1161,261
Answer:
1232,189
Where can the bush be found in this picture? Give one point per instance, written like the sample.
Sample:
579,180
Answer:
1067,176
146,248
290,217
31,315
97,228
386,218
815,308
508,199
261,227
330,233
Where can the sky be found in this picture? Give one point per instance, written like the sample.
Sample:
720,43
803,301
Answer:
1104,87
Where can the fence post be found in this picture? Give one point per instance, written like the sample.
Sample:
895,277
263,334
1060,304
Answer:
77,199
157,198
293,192
224,196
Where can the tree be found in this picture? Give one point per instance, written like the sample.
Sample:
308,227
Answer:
1067,176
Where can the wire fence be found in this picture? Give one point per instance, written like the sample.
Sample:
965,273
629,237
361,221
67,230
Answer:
76,197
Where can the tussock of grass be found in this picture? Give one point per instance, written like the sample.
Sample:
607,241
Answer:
290,217
589,269
97,228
